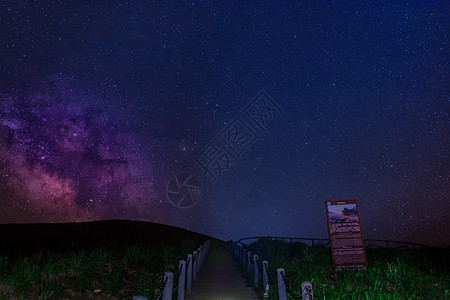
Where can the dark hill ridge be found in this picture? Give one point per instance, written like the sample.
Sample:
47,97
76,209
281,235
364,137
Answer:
67,236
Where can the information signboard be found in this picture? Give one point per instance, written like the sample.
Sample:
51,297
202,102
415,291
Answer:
346,240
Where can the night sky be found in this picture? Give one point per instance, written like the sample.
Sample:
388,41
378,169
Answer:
232,119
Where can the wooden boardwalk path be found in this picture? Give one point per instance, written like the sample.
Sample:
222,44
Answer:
219,279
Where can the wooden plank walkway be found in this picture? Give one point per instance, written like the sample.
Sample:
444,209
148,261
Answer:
219,279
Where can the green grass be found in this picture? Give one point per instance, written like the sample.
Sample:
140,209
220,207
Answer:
392,274
116,271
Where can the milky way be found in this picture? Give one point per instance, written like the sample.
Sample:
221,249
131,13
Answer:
102,102
68,155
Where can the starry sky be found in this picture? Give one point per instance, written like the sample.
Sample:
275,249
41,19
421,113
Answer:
233,119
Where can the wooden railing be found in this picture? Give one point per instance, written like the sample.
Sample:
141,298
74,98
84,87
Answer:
250,261
369,243
187,273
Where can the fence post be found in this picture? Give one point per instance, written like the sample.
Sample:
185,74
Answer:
189,274
203,256
167,292
265,268
307,291
194,266
181,280
199,258
203,253
281,286
249,260
255,270
238,252
199,255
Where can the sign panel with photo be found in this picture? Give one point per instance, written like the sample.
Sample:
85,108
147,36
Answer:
344,229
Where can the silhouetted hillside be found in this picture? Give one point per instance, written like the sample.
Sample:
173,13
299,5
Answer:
67,236
350,212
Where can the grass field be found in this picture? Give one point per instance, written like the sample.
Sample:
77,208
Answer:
392,274
120,272
108,272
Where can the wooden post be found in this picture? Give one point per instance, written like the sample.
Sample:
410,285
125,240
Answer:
189,274
281,286
265,267
203,254
255,270
307,291
181,280
199,258
249,261
194,266
167,292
